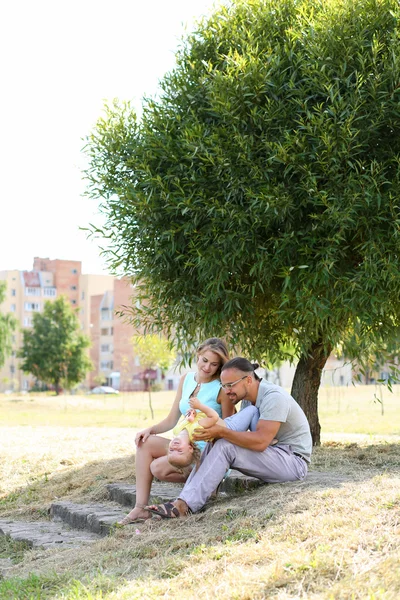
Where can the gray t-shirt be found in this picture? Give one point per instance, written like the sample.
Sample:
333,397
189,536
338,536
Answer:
275,404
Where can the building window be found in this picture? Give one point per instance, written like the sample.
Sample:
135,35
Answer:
49,291
13,292
28,321
105,348
31,306
73,287
13,339
83,296
32,291
25,384
12,369
74,271
106,314
137,361
106,364
13,307
111,330
73,301
104,331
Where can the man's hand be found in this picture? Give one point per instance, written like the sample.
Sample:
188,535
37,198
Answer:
208,433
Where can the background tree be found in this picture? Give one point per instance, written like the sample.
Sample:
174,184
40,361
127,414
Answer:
258,197
8,324
153,352
54,350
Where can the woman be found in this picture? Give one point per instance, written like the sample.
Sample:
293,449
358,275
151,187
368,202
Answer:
151,453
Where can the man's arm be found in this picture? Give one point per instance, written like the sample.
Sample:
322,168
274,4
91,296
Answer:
257,440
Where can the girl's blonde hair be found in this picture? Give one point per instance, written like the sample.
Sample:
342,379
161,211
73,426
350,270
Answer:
194,460
217,346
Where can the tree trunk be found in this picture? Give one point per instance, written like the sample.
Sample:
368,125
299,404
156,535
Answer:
151,407
306,384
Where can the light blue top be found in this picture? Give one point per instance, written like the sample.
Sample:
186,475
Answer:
207,395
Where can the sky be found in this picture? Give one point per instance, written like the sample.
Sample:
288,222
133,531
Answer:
61,60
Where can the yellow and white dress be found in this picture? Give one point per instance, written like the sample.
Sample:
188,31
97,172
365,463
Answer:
190,426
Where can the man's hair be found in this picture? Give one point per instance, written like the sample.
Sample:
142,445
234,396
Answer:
217,346
242,364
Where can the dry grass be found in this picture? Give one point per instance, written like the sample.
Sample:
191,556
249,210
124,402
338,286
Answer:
336,536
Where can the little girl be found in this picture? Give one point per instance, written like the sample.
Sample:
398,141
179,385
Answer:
183,451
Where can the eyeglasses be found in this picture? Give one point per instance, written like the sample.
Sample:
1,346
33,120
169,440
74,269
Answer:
229,386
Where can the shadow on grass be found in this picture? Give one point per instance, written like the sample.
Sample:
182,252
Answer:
333,464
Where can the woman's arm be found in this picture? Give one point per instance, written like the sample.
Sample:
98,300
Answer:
166,424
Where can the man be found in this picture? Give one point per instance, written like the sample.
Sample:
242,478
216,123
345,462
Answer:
248,451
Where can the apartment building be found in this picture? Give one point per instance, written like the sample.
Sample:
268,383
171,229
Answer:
96,298
111,350
26,293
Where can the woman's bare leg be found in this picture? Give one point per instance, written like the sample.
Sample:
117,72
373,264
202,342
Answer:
153,448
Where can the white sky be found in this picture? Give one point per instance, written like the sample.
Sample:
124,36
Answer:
60,60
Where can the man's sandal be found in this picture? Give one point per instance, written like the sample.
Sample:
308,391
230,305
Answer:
166,511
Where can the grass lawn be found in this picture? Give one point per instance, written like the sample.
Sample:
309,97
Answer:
336,540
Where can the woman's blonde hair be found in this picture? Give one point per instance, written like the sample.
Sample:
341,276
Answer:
217,346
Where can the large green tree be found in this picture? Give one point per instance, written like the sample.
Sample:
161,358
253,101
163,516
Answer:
258,196
54,350
7,325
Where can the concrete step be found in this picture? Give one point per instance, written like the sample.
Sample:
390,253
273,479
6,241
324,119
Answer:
125,494
76,524
96,518
46,534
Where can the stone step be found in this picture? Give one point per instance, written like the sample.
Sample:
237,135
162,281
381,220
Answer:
46,534
97,518
76,524
125,494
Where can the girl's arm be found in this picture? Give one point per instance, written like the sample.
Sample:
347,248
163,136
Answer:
166,424
211,414
228,409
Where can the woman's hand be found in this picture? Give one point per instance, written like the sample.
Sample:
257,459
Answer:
142,436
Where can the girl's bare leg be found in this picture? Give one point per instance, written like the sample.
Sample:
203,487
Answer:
153,448
166,472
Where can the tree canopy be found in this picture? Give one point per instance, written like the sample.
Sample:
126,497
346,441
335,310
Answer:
258,197
54,350
7,325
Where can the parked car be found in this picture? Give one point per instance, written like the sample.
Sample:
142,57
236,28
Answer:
103,389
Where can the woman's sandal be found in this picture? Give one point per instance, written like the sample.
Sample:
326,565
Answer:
127,521
166,511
